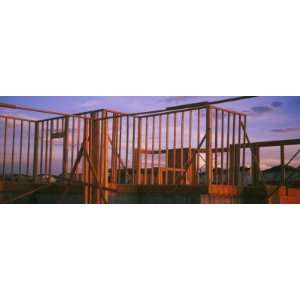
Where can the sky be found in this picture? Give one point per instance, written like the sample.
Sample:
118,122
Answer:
269,118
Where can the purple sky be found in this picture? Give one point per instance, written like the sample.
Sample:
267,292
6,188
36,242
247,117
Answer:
269,118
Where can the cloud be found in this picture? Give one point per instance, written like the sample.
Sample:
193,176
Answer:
20,114
257,111
179,99
285,130
91,104
276,104
261,109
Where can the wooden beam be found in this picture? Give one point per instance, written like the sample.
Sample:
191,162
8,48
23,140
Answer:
209,146
21,148
47,148
159,150
138,152
198,141
127,148
182,142
216,133
13,148
282,160
174,148
277,143
167,150
153,145
146,154
50,147
134,162
232,152
238,153
119,152
65,146
222,148
95,157
104,153
244,152
4,146
228,149
36,151
86,196
28,148
190,171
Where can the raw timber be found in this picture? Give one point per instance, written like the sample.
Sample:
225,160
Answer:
186,154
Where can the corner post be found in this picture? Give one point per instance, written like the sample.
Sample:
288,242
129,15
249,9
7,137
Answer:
282,159
95,153
104,157
66,146
35,151
86,170
138,152
209,170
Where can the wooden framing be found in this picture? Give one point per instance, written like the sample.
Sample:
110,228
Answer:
36,152
282,162
65,146
209,170
155,148
86,170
